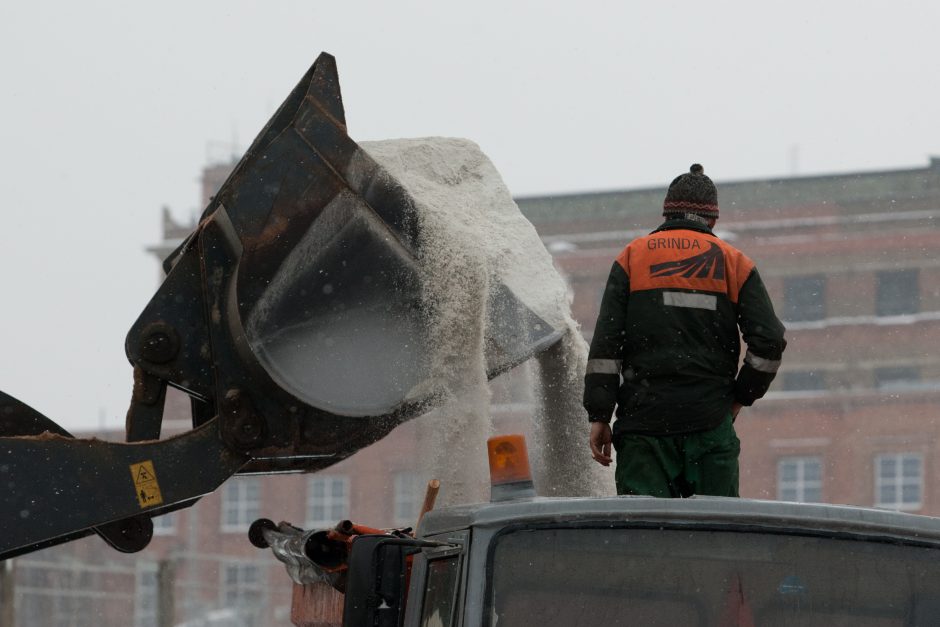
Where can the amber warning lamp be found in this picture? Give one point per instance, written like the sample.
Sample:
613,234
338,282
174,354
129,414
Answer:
510,476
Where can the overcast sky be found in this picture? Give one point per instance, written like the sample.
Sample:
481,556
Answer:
111,109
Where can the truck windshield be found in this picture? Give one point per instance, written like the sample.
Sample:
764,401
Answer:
629,576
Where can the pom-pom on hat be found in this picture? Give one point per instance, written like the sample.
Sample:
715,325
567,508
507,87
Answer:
691,193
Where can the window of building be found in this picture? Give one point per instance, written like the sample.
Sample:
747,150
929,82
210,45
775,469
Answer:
75,611
327,500
241,503
242,591
408,497
899,481
804,297
896,377
898,292
798,380
145,596
799,479
164,525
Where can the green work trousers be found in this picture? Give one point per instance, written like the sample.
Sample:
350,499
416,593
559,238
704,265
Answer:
675,466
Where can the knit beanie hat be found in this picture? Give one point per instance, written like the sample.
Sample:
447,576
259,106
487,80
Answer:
691,193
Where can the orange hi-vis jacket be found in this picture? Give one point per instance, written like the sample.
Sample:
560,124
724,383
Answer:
666,346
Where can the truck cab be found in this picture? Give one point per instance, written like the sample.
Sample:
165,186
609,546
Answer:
646,561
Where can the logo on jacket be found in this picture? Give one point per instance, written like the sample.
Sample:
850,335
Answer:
711,262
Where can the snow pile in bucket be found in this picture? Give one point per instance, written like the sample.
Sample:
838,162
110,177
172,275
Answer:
473,237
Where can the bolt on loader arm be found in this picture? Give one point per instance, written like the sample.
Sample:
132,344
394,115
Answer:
293,316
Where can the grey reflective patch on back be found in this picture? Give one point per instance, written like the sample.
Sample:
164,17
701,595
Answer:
760,364
603,366
687,299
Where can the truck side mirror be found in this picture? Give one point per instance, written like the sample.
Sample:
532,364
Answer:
377,579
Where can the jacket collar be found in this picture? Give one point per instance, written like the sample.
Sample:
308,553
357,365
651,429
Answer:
679,223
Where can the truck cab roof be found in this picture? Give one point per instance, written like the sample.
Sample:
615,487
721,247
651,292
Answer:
696,511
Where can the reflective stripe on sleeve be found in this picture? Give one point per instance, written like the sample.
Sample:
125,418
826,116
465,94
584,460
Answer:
603,366
760,364
689,299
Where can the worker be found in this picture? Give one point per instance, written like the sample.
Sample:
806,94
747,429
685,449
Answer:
666,350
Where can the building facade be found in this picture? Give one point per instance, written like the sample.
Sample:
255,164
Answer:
852,263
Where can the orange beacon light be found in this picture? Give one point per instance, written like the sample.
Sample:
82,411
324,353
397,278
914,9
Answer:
510,475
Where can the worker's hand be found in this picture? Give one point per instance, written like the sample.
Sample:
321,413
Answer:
600,443
735,408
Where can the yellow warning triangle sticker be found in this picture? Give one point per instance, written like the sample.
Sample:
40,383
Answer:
143,475
145,484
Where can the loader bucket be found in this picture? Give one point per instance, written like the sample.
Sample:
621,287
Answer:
311,322
295,316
